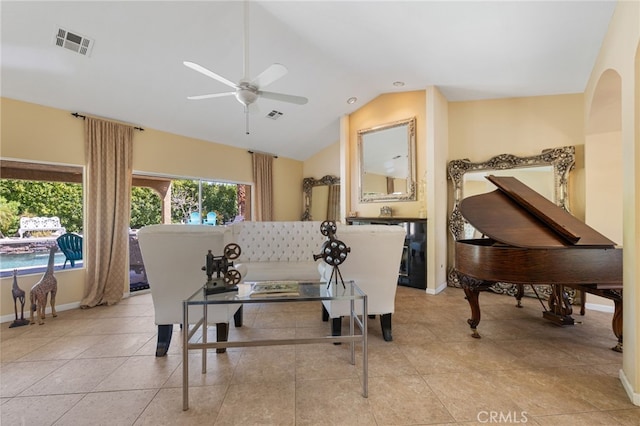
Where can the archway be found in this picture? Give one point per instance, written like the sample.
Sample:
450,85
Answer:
604,166
603,157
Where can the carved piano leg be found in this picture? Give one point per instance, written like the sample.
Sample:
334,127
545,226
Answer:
472,298
471,288
616,323
519,294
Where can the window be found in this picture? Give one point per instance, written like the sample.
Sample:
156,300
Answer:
165,200
37,190
157,200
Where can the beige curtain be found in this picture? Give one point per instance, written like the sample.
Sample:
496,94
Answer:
108,150
333,206
263,177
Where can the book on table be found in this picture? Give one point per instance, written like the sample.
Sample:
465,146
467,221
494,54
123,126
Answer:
275,289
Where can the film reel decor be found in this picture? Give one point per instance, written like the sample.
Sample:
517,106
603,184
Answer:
333,252
226,276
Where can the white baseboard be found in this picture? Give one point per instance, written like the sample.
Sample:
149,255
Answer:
600,308
633,396
438,289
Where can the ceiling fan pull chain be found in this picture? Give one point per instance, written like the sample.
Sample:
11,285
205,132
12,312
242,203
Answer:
246,115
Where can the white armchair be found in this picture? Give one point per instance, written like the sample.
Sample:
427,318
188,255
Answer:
173,257
373,264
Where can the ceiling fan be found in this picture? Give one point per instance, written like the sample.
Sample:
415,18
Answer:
248,91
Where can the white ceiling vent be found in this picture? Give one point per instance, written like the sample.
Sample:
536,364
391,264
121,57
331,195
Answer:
73,41
274,115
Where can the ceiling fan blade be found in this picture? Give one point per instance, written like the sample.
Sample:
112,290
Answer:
213,95
298,100
211,74
268,76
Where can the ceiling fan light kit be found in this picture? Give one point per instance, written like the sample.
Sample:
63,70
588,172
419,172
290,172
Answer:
246,94
248,91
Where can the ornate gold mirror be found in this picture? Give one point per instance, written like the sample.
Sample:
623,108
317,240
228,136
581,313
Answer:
387,162
321,198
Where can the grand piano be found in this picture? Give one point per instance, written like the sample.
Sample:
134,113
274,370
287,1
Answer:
530,240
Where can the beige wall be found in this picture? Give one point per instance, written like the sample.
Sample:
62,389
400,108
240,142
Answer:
620,52
325,162
384,109
603,183
37,133
287,189
479,130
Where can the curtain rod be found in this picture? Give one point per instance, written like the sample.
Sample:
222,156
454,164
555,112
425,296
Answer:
76,115
265,153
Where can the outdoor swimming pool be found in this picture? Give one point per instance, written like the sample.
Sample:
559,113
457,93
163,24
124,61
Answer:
11,261
36,263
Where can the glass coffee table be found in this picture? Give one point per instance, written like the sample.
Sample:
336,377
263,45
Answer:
274,292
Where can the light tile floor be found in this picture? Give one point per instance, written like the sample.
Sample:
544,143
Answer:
97,367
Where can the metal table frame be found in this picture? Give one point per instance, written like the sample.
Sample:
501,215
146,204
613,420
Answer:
333,292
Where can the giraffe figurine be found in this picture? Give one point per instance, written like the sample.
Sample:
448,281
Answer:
41,289
18,294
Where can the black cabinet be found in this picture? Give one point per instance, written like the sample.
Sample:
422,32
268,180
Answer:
413,266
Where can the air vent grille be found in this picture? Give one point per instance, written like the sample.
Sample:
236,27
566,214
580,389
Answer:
73,41
274,115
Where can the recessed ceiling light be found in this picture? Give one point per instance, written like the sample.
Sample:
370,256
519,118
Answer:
398,83
352,100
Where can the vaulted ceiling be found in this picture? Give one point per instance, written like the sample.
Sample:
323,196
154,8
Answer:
333,51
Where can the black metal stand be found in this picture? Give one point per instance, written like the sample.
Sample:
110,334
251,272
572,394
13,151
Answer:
335,273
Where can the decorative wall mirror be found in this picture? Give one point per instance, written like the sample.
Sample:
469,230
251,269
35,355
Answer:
321,198
387,162
547,173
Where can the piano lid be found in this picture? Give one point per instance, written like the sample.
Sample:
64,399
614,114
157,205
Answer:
516,215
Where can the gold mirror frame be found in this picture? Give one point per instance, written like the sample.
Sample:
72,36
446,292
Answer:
562,159
410,194
307,186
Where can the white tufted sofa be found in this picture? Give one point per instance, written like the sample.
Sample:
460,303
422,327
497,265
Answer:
277,250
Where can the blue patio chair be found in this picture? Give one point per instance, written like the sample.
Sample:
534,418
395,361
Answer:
212,218
194,219
71,245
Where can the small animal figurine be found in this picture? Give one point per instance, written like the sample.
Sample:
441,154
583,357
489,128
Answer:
18,294
40,291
